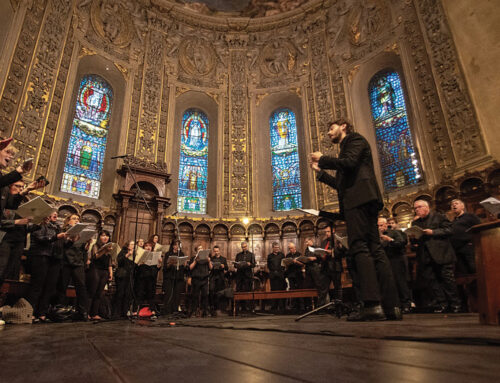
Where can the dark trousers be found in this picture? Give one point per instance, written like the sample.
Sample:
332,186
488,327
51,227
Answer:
45,272
398,265
96,280
172,289
216,300
122,297
466,263
199,292
77,275
440,280
10,260
295,280
145,286
320,281
374,270
277,282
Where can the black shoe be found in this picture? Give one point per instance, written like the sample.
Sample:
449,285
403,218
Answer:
439,309
393,314
366,314
455,309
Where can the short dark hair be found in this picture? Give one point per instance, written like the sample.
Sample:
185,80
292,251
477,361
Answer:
343,121
216,247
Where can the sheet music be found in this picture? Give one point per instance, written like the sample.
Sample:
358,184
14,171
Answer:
414,231
492,205
342,240
310,211
85,235
150,258
36,208
77,229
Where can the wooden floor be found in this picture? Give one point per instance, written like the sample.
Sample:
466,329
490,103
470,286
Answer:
321,348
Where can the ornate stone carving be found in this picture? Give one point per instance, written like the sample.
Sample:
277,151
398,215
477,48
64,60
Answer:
53,122
278,58
239,139
134,111
464,128
367,20
29,128
151,96
112,21
436,128
20,65
197,56
158,166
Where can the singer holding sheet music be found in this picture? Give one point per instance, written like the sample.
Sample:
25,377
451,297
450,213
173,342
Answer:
173,279
99,273
200,271
360,201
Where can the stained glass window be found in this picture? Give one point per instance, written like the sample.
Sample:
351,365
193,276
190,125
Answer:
285,161
193,166
398,160
87,143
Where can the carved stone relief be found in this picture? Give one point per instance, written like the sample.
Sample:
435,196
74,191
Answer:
29,127
151,97
20,65
464,128
197,56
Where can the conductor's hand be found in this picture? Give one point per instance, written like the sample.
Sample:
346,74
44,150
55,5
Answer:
315,166
316,156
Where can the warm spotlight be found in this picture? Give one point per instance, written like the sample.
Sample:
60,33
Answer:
246,220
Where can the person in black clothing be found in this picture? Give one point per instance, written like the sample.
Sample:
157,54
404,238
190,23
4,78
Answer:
173,279
13,229
313,272
217,281
294,275
462,239
331,266
74,262
394,245
244,268
200,271
145,281
360,201
123,274
276,275
436,258
99,273
45,260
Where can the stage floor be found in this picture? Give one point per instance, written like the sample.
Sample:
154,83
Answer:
422,348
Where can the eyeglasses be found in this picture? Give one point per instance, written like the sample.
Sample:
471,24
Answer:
18,186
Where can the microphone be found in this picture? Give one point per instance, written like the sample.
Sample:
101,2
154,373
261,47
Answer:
122,156
175,212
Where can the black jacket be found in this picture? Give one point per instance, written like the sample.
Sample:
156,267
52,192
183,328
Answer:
245,271
437,245
274,265
395,248
43,239
355,179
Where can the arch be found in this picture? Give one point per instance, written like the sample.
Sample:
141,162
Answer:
193,163
91,215
255,229
202,228
271,229
87,143
75,111
262,171
403,212
221,230
110,220
147,188
237,230
213,183
399,162
494,178
289,227
285,164
185,227
472,187
64,210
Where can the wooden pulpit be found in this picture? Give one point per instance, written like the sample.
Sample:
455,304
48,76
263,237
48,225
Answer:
487,248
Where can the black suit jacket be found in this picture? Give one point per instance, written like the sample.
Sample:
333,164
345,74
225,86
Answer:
437,245
355,179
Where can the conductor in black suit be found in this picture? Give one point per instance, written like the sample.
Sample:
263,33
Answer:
360,201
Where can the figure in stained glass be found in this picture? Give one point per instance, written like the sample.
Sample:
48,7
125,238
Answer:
193,163
287,193
398,158
87,143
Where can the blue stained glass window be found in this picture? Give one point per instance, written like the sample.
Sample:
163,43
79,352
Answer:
398,160
287,193
193,166
87,143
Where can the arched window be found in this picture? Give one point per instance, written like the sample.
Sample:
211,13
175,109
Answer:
285,160
398,160
193,166
87,143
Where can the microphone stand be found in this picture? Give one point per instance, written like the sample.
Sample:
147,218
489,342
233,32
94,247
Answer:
138,193
177,238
